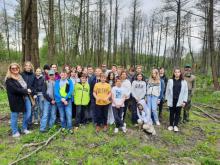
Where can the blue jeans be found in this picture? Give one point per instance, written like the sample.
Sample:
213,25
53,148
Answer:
152,105
28,110
118,116
49,115
40,103
80,114
14,122
65,114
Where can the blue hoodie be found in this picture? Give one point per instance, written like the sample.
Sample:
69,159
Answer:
57,91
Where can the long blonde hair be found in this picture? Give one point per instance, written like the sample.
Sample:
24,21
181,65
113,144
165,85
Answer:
9,74
28,63
157,79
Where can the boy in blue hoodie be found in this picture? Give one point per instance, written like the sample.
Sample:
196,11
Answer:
63,96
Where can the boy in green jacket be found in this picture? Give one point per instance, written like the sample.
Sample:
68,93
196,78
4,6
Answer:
81,99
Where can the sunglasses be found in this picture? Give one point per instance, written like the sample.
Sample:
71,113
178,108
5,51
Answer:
14,68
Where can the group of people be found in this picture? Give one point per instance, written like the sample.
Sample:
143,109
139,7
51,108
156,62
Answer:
98,95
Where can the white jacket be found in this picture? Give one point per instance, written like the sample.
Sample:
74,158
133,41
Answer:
183,93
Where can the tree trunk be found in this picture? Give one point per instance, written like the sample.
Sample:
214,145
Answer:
212,45
30,32
51,46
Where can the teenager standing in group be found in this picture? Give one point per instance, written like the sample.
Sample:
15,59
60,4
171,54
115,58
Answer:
63,97
29,77
138,92
50,108
102,94
176,96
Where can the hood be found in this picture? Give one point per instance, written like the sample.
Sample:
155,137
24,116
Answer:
143,103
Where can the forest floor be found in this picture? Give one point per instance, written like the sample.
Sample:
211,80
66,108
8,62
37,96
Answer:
198,141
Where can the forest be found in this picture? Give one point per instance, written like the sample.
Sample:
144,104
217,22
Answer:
151,33
95,32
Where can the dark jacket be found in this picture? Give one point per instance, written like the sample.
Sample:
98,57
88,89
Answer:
16,94
38,84
44,90
29,78
92,84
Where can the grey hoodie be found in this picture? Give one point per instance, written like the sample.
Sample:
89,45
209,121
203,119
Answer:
138,89
145,114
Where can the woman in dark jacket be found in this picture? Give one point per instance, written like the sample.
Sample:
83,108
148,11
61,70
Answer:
16,91
29,78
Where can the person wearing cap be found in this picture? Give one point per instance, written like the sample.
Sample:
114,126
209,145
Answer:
191,82
49,110
81,97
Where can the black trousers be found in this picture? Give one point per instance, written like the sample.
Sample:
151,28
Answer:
174,114
101,114
160,107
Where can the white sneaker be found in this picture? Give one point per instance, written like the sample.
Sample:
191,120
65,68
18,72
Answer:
124,129
16,135
176,129
116,130
27,132
125,125
157,123
35,122
170,128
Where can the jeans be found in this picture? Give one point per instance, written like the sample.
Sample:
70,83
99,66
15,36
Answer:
174,114
40,104
65,114
152,105
118,116
14,122
102,114
80,114
49,115
28,108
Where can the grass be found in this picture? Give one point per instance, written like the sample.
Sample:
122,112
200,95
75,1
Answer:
198,142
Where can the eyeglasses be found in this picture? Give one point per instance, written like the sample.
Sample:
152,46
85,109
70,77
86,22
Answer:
14,68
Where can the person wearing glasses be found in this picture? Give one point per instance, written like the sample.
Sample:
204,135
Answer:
17,90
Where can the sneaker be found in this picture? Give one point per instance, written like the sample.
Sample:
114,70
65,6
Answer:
97,129
26,131
16,135
35,122
76,128
124,129
105,129
170,128
157,123
116,130
176,129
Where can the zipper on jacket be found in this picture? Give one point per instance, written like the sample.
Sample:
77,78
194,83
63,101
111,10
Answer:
82,94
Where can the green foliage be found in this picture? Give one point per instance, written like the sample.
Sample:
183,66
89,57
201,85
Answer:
197,142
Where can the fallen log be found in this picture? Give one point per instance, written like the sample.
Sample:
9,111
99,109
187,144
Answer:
39,148
207,114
